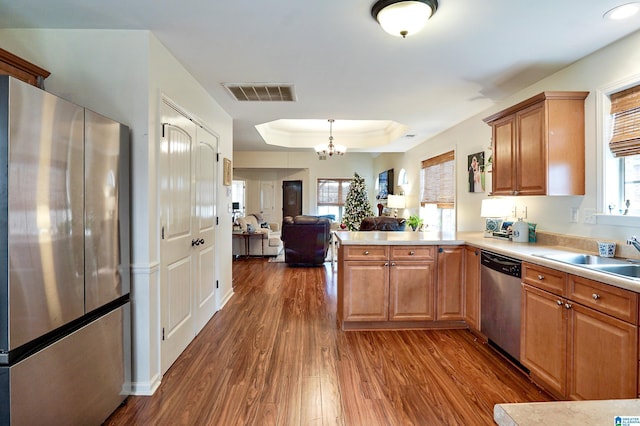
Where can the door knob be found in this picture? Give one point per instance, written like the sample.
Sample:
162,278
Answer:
195,242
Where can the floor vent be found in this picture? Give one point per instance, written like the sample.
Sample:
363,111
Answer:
261,92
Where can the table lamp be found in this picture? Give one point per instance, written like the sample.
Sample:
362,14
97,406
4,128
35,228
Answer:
395,202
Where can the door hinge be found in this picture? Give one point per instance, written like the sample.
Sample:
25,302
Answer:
162,233
217,156
217,284
217,220
162,333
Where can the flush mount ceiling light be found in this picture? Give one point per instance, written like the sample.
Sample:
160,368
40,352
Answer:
402,18
623,11
331,149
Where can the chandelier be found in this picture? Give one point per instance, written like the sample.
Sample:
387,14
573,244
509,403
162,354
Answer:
331,149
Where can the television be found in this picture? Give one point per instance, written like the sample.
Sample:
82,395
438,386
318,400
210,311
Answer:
385,184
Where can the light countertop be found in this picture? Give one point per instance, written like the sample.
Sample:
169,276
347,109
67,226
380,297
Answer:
566,413
528,252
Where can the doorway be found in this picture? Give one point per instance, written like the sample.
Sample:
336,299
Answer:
291,198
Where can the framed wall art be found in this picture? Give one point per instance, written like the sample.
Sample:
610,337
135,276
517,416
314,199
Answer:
475,166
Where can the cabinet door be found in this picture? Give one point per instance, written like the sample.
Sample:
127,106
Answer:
411,291
504,156
531,151
450,289
543,344
472,287
366,291
602,356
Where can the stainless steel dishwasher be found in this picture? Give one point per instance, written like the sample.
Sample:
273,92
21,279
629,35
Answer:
500,302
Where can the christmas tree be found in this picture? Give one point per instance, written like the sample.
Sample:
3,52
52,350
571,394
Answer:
356,206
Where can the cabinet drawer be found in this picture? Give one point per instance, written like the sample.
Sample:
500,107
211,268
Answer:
614,301
413,253
544,278
366,252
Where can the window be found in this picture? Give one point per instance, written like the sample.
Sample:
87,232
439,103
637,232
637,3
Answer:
331,196
437,181
622,186
437,189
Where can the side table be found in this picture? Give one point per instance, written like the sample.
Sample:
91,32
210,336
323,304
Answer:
247,239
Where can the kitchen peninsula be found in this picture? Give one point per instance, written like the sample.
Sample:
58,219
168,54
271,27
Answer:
400,280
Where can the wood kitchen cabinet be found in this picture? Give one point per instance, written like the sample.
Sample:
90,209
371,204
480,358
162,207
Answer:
396,286
450,288
472,287
579,350
411,283
538,146
365,278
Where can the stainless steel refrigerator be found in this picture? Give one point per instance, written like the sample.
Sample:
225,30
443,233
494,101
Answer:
64,260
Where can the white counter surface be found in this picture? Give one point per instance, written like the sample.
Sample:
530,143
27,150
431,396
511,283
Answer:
565,413
528,252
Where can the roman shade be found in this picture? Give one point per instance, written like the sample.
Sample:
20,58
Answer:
625,110
437,181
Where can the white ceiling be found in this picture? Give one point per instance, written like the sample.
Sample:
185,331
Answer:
343,65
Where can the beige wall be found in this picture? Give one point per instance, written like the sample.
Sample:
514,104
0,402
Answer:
257,166
614,63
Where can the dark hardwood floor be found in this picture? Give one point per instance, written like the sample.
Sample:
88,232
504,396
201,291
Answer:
274,356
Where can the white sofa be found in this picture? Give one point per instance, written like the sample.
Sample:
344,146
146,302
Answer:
269,245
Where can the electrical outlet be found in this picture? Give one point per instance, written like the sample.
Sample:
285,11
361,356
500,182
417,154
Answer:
573,214
590,216
524,212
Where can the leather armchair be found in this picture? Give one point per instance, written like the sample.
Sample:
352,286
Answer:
383,223
306,239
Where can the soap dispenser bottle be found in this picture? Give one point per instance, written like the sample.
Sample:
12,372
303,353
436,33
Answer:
520,231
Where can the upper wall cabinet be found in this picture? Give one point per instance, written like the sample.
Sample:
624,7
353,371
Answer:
17,67
538,146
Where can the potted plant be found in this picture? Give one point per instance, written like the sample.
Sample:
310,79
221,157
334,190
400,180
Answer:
414,221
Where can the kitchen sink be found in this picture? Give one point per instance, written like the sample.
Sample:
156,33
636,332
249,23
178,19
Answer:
628,270
610,265
584,259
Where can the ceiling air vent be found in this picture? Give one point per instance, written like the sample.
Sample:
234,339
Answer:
261,92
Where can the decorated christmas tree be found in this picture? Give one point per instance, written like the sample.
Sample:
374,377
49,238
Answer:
356,206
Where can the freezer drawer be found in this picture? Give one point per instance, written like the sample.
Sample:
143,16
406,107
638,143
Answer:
79,380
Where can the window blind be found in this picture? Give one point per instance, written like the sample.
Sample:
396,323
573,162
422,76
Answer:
437,181
625,110
332,192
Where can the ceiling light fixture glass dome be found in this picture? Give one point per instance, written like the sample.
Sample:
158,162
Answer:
623,11
403,18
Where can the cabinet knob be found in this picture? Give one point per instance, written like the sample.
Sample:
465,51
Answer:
366,253
595,296
411,253
476,252
440,250
386,264
540,277
393,263
559,302
567,305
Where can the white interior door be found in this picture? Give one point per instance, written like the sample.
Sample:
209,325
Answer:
205,221
177,198
267,200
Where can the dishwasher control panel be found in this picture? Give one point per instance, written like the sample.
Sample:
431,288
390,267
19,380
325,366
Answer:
500,263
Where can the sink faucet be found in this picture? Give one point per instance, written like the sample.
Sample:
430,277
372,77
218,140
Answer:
633,241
